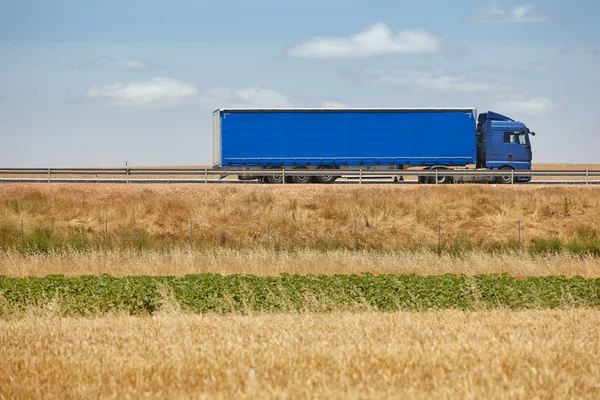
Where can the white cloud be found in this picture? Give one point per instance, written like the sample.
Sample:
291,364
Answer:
375,40
528,105
432,81
333,104
423,80
249,97
161,92
522,14
155,92
136,64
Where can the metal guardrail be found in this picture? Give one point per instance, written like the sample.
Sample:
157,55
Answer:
203,174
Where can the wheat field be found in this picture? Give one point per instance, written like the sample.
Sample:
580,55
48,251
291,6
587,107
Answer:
304,262
436,354
433,354
236,216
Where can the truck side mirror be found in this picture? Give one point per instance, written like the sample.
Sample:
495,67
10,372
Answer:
532,133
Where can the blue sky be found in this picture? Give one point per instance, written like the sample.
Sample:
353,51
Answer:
87,83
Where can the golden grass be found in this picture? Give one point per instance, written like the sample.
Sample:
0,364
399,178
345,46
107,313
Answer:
268,263
435,354
565,167
315,216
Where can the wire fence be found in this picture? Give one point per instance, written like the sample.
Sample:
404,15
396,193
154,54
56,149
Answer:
268,239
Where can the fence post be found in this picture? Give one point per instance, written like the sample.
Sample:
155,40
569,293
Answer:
22,235
268,234
519,233
355,237
191,236
106,236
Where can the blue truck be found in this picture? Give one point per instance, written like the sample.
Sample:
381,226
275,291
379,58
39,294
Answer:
381,139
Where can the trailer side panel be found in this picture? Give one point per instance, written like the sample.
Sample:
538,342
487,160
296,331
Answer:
288,137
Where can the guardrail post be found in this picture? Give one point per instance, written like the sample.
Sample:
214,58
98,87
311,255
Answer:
512,176
587,176
436,176
48,175
360,177
205,175
283,176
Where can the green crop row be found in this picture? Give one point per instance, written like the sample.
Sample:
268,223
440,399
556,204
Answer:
209,293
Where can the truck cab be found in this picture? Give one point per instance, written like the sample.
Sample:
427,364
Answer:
503,144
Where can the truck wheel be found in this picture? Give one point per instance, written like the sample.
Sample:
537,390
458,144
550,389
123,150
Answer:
302,178
441,180
326,179
505,179
273,178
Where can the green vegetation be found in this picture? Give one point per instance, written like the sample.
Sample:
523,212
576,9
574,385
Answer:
209,293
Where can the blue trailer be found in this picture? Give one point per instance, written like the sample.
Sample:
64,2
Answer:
349,139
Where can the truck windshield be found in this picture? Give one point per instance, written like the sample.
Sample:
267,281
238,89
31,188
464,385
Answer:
516,137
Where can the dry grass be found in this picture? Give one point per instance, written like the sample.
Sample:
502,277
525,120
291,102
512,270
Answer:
438,354
315,216
268,263
565,167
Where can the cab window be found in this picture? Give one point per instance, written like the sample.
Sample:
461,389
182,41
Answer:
517,138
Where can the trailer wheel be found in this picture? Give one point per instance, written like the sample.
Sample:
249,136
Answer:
273,178
505,179
326,179
302,178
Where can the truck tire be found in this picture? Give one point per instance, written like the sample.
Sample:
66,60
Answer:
302,178
273,178
505,179
326,179
441,180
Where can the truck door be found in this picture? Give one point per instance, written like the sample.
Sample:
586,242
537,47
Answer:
518,149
